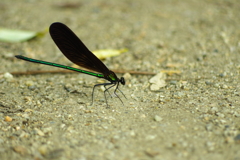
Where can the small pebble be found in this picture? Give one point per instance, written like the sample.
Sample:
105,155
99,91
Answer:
33,87
151,153
157,118
222,74
43,150
39,132
220,115
132,133
29,83
20,149
209,127
173,82
208,83
213,110
178,94
92,133
8,119
210,146
55,154
150,137
229,140
142,116
127,76
8,76
216,85
80,82
237,138
236,114
157,82
47,130
224,86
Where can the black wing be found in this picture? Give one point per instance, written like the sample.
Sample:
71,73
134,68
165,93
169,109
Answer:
74,49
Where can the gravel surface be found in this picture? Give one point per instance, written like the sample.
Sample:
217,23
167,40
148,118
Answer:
196,115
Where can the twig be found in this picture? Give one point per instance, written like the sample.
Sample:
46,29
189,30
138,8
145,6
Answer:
116,71
67,71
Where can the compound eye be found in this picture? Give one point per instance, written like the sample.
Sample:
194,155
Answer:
122,80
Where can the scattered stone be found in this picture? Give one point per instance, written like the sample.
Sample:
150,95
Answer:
57,153
88,111
209,127
43,150
39,132
210,146
127,76
208,83
69,87
220,115
142,116
8,76
216,85
150,137
33,87
173,82
47,130
222,74
236,114
20,149
8,119
132,133
224,86
229,140
178,94
213,110
151,153
158,81
29,83
157,118
237,139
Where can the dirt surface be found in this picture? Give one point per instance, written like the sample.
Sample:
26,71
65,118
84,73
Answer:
196,116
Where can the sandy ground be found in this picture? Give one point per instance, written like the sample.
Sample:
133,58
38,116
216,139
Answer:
196,116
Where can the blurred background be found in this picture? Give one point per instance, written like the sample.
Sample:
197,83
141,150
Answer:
195,116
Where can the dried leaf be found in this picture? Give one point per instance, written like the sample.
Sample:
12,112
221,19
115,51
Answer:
105,53
13,36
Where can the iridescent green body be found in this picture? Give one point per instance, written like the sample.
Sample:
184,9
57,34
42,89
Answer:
60,66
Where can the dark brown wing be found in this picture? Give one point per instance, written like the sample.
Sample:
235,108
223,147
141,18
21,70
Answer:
74,49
